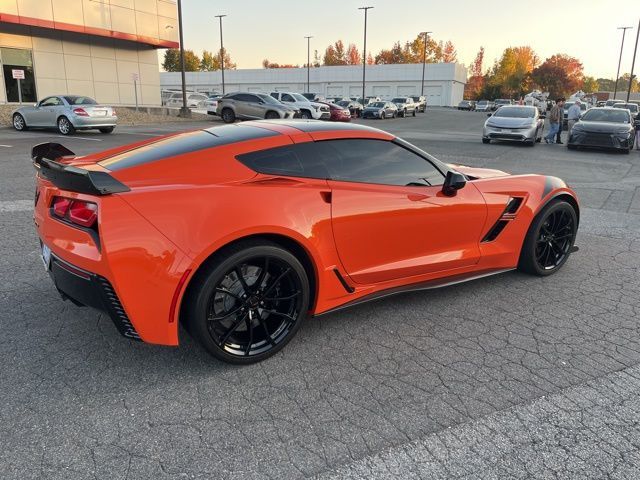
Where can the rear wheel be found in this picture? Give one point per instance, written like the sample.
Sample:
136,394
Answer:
107,129
248,303
18,122
486,140
271,115
228,115
65,127
549,240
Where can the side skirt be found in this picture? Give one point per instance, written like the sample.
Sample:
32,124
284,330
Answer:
428,285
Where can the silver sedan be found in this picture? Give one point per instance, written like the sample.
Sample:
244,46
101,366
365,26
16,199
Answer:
518,123
67,113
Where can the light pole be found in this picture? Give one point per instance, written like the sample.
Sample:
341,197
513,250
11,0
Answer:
184,111
633,62
221,51
364,53
624,31
308,59
424,60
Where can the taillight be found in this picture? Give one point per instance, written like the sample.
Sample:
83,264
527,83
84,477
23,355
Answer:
81,112
78,212
113,112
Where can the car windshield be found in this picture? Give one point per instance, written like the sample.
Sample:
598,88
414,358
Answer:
515,112
77,100
399,100
416,99
606,115
583,106
268,99
344,103
377,105
299,97
483,102
502,102
464,102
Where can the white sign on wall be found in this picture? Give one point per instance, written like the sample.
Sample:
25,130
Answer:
17,74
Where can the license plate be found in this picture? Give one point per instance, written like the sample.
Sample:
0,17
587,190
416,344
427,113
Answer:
46,257
100,113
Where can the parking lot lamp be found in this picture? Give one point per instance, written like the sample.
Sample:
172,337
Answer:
221,51
633,62
184,111
364,53
424,60
308,59
624,31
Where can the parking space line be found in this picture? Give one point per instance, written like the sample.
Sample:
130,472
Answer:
7,146
143,134
81,138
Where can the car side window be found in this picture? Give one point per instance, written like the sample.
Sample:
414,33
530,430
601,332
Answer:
50,102
243,97
287,98
306,159
379,162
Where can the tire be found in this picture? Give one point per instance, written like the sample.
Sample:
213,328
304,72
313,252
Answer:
305,114
551,234
530,143
107,129
571,147
64,126
271,115
486,140
414,113
237,321
19,123
228,115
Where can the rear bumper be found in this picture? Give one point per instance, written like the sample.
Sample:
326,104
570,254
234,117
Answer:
91,290
93,122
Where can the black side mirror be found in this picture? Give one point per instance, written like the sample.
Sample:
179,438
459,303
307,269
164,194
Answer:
453,182
489,114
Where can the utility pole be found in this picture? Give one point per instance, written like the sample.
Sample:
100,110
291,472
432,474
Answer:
364,53
308,59
184,111
624,31
221,51
633,62
424,60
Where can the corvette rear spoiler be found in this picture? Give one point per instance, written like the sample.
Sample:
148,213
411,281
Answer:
68,177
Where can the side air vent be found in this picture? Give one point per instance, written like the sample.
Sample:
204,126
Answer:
513,205
495,231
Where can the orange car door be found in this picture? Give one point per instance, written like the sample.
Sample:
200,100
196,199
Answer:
390,218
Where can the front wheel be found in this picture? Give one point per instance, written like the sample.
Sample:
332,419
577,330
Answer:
305,114
65,127
248,302
228,115
272,115
19,123
549,239
486,140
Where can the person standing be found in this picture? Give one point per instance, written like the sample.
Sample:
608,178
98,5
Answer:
561,125
637,123
555,120
573,115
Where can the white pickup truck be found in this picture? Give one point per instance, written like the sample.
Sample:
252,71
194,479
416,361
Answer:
308,109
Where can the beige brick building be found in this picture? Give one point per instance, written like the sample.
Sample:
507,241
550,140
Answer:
85,47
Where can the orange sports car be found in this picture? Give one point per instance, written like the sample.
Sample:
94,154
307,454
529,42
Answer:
239,232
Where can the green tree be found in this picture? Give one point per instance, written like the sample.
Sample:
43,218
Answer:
171,61
590,85
209,62
191,61
513,71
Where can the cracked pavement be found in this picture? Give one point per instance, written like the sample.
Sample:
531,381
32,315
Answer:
510,376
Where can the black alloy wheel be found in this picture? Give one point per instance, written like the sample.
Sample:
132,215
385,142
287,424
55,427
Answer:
228,116
550,239
249,305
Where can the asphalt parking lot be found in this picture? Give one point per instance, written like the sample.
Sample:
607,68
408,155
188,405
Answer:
506,377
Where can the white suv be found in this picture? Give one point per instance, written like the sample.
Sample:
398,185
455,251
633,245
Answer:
308,109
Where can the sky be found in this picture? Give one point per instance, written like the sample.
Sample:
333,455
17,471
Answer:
275,29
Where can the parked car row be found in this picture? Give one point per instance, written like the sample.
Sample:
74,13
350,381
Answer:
245,106
604,127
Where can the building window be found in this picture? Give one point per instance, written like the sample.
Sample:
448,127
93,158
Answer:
18,59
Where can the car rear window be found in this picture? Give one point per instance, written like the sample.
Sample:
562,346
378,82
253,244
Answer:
184,143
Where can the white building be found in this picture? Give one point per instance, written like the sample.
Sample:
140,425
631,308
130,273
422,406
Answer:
85,47
443,85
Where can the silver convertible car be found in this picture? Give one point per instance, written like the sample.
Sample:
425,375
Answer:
517,123
67,113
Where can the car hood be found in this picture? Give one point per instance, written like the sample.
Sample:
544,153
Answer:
508,122
478,172
601,127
